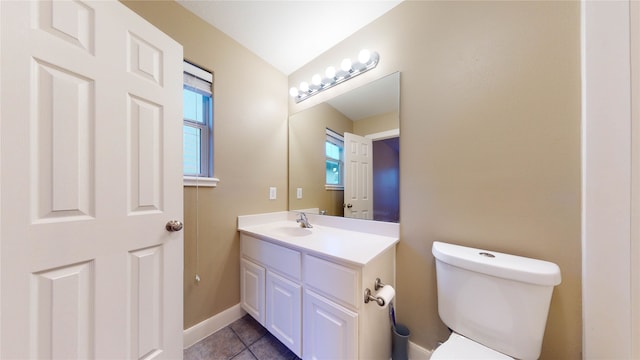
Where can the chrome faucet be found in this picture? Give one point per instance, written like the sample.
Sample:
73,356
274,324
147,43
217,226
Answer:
303,221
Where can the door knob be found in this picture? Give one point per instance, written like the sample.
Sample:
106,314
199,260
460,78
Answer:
348,206
174,225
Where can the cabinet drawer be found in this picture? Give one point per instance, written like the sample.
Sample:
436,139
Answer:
274,257
335,281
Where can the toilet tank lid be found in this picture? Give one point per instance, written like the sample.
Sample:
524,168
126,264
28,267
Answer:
498,264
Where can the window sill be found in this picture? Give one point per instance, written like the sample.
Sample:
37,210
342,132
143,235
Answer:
200,181
334,187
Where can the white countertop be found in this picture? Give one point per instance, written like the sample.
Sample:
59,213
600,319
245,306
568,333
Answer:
348,240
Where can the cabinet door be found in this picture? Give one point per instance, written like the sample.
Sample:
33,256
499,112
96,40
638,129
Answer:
252,279
284,313
330,330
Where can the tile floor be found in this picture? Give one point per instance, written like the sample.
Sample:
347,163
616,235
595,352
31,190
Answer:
244,339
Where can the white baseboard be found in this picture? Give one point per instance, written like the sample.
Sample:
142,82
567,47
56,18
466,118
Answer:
207,327
417,352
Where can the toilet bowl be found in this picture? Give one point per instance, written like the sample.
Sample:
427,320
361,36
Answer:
496,304
458,347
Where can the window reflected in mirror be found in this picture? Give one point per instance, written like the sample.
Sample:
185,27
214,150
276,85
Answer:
334,151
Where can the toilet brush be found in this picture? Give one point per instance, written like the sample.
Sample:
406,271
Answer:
392,315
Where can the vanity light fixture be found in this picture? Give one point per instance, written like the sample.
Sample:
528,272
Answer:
367,60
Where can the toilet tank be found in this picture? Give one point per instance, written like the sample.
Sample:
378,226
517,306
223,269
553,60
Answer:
498,300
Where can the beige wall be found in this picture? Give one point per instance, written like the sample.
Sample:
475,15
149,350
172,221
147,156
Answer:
250,155
377,123
307,138
490,146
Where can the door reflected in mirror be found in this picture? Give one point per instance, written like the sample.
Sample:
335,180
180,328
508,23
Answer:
344,154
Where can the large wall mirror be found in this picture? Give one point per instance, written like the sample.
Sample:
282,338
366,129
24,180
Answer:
344,154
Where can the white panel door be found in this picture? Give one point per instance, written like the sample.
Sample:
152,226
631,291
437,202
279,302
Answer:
330,330
284,311
91,171
358,177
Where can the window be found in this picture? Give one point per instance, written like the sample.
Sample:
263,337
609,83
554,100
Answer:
197,97
334,151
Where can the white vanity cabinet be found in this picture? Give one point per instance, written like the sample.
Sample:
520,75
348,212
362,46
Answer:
337,324
270,289
314,303
330,309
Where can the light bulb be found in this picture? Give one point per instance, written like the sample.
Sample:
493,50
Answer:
346,64
304,87
364,56
330,72
316,79
293,91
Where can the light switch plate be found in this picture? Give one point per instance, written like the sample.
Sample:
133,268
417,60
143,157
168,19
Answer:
299,193
272,193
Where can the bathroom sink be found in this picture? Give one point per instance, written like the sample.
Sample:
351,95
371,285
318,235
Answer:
292,231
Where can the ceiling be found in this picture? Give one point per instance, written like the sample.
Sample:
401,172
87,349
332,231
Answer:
288,34
375,98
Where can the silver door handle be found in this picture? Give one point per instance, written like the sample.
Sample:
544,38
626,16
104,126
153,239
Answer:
174,225
349,206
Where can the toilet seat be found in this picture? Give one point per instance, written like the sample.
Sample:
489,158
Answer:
459,347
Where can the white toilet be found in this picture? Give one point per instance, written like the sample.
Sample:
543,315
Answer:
496,304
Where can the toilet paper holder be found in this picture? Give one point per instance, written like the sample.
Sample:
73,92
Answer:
368,297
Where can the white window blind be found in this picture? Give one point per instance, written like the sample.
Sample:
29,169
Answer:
198,120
